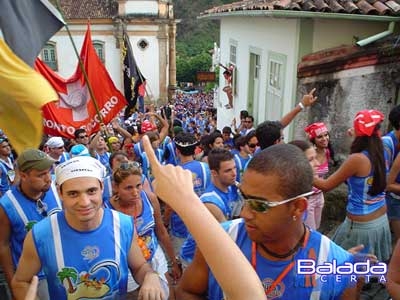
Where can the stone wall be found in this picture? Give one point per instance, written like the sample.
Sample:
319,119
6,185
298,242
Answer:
341,94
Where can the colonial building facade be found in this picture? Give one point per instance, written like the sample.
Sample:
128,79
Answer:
150,25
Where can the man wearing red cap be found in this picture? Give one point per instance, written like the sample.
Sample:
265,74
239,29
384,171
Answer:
365,173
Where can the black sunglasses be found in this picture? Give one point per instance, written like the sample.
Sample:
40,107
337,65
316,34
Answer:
252,145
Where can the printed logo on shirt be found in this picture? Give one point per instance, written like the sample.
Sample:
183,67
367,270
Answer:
90,252
277,292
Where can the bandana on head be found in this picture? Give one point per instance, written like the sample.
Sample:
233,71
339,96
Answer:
366,121
147,126
315,129
80,166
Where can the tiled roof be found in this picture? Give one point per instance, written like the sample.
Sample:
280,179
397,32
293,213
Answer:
84,9
363,7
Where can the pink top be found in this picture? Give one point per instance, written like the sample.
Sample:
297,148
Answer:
322,170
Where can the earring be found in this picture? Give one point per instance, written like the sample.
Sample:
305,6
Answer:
294,218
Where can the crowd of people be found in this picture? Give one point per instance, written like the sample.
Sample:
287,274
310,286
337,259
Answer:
165,205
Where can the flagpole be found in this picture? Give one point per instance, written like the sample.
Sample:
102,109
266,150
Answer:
82,67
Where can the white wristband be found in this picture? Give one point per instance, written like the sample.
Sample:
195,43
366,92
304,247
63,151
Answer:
301,105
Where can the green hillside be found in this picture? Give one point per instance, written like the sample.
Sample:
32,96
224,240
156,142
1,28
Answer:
194,37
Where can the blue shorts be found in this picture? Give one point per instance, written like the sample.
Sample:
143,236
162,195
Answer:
393,206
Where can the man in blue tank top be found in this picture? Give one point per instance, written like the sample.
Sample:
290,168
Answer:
272,236
85,251
24,205
220,198
185,146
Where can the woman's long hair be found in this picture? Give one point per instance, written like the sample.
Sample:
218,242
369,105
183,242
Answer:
373,145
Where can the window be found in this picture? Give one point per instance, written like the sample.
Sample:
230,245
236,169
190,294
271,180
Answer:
143,44
49,55
99,47
275,75
232,54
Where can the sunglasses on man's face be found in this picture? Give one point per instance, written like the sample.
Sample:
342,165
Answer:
263,205
252,145
82,136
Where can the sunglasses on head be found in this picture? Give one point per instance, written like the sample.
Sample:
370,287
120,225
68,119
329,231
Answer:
263,205
41,208
129,165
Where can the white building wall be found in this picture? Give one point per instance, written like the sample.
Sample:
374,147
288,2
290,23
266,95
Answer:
142,7
67,60
265,34
328,33
147,59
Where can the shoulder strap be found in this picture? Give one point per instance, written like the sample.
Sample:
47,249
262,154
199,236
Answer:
388,145
17,206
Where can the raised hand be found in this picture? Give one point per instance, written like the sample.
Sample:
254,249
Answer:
171,183
309,99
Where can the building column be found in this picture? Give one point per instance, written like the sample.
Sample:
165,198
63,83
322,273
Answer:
162,37
172,60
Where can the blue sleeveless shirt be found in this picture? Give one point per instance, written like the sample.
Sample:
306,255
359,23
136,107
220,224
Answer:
201,176
359,202
293,286
24,214
89,264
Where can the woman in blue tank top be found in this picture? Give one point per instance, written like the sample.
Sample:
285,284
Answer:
365,172
129,198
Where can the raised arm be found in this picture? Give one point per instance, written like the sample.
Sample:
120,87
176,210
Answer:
346,170
307,100
238,279
118,128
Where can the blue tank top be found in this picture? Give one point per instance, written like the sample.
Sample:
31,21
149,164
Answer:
138,149
391,147
241,164
23,214
4,182
83,265
293,285
170,154
9,166
145,225
224,201
358,200
201,180
105,160
146,169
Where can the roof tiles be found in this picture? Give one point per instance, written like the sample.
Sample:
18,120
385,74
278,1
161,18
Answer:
93,9
363,7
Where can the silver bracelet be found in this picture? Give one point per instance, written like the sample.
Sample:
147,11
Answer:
301,105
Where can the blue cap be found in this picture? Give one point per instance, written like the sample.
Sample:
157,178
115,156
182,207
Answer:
79,150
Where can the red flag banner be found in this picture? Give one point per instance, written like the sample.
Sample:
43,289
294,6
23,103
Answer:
75,108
